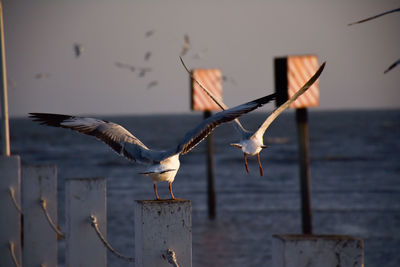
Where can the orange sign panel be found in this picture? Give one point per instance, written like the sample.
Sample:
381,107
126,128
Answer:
210,79
299,71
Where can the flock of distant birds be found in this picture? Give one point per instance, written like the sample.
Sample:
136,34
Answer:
164,165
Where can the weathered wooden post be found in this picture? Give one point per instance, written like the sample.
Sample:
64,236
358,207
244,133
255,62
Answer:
291,73
39,188
163,231
84,198
317,250
10,211
212,79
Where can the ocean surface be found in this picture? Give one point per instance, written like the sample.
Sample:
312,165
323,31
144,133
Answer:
355,173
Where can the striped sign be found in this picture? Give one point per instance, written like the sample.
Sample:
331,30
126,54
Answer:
291,73
212,80
299,71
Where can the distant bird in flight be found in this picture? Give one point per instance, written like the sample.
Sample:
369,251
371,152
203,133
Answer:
376,16
149,33
78,49
125,66
152,84
251,143
186,45
42,75
392,66
147,56
143,71
163,165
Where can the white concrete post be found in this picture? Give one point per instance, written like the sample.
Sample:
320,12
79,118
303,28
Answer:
317,250
10,216
159,226
83,198
40,239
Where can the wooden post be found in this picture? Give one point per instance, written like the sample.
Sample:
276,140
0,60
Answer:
5,132
317,250
10,216
159,226
83,198
212,198
40,239
304,157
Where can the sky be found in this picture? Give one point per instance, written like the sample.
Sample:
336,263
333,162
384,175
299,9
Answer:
241,38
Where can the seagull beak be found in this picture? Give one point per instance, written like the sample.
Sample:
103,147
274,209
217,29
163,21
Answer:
264,146
236,145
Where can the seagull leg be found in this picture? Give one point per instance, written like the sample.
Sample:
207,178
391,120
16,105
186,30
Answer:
155,191
170,190
259,165
245,162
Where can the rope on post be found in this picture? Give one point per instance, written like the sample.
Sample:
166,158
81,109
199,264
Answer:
171,257
12,250
12,194
56,228
95,225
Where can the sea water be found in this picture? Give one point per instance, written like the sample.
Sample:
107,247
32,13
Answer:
355,181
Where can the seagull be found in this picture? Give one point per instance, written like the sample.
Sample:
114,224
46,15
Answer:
162,165
376,16
147,56
392,66
143,71
78,49
251,143
149,33
125,66
42,75
186,45
152,84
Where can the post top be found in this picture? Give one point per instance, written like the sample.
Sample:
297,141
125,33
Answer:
297,237
162,201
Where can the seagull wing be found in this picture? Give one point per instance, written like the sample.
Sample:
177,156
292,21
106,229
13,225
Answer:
376,16
392,66
196,135
260,132
114,135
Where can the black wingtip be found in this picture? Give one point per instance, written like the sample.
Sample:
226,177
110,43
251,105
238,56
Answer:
49,119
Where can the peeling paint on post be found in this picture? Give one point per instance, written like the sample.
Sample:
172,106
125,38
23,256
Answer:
159,226
10,217
85,197
40,240
317,250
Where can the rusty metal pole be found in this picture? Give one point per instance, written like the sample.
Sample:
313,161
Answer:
212,199
304,158
5,131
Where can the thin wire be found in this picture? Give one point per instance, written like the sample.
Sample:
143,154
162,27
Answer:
12,194
12,250
171,257
95,225
56,228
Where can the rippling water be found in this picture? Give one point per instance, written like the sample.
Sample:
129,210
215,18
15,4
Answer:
355,170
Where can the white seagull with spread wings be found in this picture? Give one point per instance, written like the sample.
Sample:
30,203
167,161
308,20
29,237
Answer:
251,143
163,165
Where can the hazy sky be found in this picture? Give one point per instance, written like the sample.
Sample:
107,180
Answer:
239,37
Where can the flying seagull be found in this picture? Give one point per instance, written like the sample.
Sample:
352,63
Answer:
376,16
186,45
251,143
125,66
163,165
78,49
